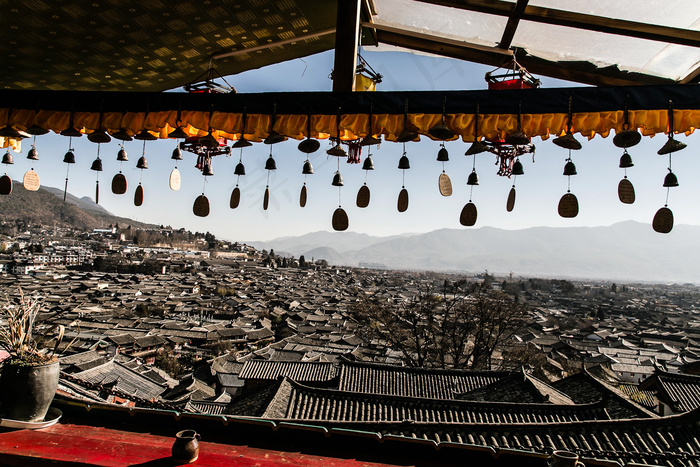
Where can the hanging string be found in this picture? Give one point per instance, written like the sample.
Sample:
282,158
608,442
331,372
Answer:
204,184
471,189
667,190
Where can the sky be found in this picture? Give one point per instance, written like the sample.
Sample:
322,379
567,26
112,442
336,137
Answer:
538,191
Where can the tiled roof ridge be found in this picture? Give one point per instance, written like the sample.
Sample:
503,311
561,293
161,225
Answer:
537,385
413,369
619,395
465,403
684,377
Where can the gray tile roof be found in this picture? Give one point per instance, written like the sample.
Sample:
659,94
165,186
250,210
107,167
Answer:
681,392
298,371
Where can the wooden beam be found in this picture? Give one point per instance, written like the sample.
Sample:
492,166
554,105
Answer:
346,38
512,25
571,19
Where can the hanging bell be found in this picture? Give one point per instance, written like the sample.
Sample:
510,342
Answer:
142,163
99,136
443,155
121,155
473,178
337,179
567,142
517,138
672,145
240,169
670,180
36,130
476,147
570,168
308,169
122,135
33,154
368,164
9,132
626,160
69,158
270,163
145,135
308,146
178,133
404,164
177,154
441,131
7,158
97,165
241,143
207,170
517,168
337,151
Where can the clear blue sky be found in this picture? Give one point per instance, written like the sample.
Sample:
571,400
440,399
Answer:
538,191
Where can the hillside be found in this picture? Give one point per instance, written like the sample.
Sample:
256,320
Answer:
46,207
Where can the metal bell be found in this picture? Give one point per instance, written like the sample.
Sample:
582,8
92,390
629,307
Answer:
473,178
145,135
33,154
121,155
72,132
627,138
626,160
368,164
178,133
477,147
97,165
406,135
442,155
241,143
570,168
567,142
207,170
337,179
441,131
69,158
404,163
142,163
9,132
36,130
270,163
308,169
517,168
177,154
274,138
240,169
670,180
209,141
370,140
337,151
99,136
671,145
7,158
517,138
122,135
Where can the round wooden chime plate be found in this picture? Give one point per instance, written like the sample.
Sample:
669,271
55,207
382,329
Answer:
510,203
362,200
663,220
402,203
30,182
201,206
302,196
340,220
174,181
119,184
235,198
138,195
5,185
444,184
468,215
266,199
568,205
625,191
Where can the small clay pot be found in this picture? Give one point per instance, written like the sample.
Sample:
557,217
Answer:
186,447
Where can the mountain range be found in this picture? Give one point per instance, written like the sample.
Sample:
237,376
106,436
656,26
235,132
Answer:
626,251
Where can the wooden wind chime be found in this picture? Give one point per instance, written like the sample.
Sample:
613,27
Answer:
663,219
307,146
568,204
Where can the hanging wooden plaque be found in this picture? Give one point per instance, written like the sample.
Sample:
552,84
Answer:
174,181
30,182
266,198
468,215
340,220
445,184
119,184
235,198
5,185
625,191
402,203
201,206
138,195
510,203
362,200
568,205
302,196
663,220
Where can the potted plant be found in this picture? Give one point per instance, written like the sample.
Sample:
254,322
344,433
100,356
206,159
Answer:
29,376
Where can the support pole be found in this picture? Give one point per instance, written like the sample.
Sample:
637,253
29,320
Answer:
346,37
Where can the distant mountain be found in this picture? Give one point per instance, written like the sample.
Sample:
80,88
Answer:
46,207
629,251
